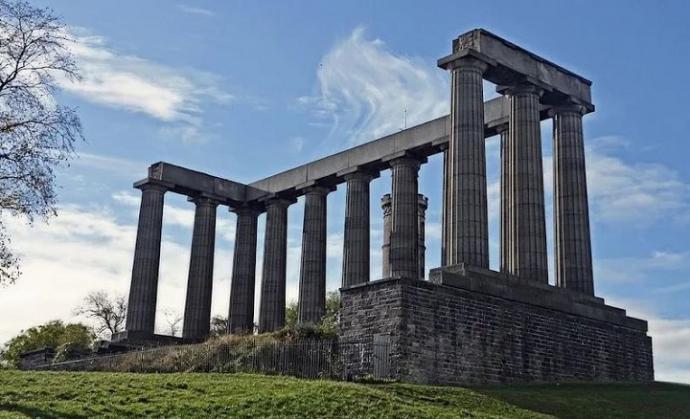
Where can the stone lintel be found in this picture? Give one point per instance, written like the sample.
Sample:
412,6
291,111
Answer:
509,63
508,287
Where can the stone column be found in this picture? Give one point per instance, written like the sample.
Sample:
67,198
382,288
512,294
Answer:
403,250
505,197
467,227
422,205
197,310
143,291
272,307
386,205
573,248
357,226
386,247
527,256
312,281
445,224
241,315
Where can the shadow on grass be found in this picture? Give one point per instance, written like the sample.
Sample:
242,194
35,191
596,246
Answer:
37,413
629,401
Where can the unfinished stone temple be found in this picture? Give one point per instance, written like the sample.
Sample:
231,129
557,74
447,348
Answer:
466,323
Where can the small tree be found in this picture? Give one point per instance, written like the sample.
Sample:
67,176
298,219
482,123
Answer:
68,339
219,326
173,320
108,313
36,133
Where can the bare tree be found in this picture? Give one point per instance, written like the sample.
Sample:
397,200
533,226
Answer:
173,319
109,313
37,134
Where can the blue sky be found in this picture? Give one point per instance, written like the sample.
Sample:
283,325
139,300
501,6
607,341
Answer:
243,90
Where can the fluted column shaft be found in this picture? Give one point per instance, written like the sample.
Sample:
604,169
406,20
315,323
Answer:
143,291
312,282
242,287
505,198
386,247
573,248
357,226
403,250
445,223
527,256
467,232
197,311
422,205
272,307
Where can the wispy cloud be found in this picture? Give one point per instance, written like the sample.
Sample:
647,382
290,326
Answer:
125,81
366,91
193,10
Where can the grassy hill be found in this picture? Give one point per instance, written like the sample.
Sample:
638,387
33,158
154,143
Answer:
75,395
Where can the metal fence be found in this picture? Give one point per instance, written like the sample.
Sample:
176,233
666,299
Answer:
312,358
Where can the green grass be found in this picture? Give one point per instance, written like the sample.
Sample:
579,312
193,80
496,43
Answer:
76,395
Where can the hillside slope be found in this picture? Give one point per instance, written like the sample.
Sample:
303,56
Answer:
75,395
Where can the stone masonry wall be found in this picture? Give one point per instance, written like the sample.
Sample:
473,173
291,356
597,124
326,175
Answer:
446,335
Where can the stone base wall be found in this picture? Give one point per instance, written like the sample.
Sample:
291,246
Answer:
470,329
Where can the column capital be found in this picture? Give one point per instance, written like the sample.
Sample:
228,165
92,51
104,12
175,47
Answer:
523,87
311,188
422,201
467,59
567,107
358,173
153,184
279,202
203,201
386,204
404,158
246,210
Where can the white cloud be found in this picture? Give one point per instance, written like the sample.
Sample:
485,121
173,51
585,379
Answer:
366,91
132,83
622,191
193,10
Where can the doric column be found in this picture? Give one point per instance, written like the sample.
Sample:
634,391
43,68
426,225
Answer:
272,307
527,256
143,291
403,250
241,315
466,230
197,310
386,247
422,205
445,224
573,248
356,240
386,206
312,281
505,197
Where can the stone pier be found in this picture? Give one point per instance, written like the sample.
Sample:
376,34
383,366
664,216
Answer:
272,307
573,249
312,282
143,292
526,220
467,231
357,228
242,285
387,207
197,311
404,241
